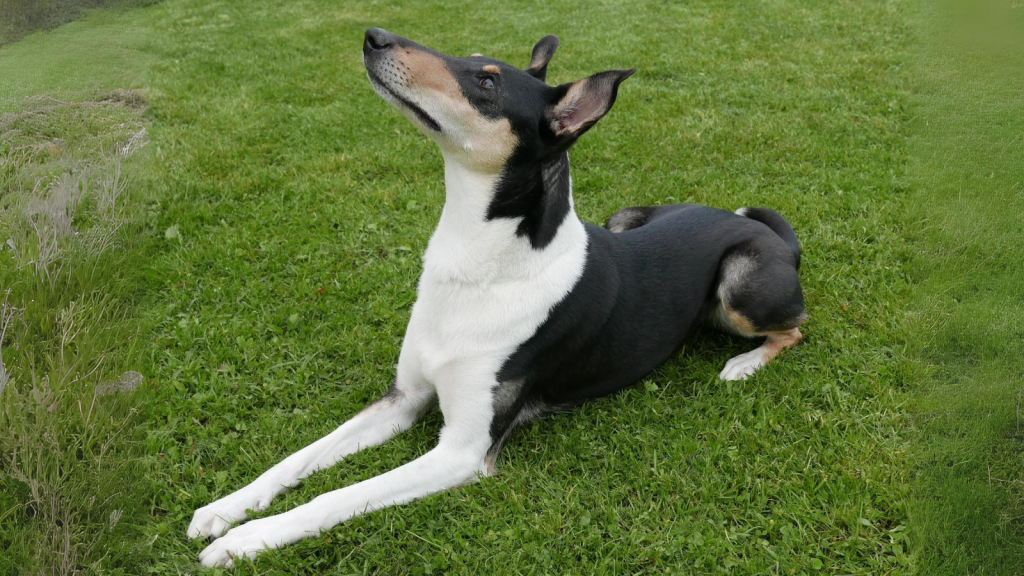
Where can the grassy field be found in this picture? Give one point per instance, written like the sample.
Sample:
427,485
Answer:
101,53
265,266
968,331
259,266
293,205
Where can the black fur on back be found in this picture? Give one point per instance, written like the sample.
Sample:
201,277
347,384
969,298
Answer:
643,291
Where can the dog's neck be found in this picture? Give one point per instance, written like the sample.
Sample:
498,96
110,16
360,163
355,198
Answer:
538,192
502,226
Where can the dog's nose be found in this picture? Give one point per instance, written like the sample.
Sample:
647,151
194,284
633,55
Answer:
377,39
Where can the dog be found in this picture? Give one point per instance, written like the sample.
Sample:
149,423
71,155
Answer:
522,309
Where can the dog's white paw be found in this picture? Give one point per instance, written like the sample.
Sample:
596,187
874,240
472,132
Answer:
742,366
216,518
248,540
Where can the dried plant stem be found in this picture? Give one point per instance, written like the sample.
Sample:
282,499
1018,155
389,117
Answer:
7,314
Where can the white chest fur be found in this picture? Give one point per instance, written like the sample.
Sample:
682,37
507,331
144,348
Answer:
485,290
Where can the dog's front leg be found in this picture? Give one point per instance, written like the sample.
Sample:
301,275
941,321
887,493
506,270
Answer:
393,413
457,459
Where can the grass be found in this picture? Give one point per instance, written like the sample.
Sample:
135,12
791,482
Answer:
969,324
293,205
267,251
275,272
69,278
22,17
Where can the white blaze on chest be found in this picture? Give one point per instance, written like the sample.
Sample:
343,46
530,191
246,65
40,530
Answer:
485,290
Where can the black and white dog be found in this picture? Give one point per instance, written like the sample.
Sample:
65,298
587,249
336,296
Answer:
523,310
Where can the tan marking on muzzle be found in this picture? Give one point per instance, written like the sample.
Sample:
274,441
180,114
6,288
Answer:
429,72
476,140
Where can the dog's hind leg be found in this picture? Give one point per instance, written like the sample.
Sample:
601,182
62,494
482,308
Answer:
629,218
404,402
458,458
739,367
759,295
634,217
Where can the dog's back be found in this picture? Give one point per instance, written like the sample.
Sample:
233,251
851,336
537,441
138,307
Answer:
642,293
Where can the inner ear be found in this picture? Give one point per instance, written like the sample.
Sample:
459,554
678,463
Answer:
584,103
542,54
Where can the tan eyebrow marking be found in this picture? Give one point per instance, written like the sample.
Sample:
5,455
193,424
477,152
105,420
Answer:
492,69
475,55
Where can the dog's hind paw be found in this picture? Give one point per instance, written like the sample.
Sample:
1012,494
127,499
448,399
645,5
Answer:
742,366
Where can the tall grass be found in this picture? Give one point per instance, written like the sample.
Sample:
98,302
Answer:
68,420
7,315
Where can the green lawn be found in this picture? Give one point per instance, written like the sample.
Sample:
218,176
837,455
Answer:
968,328
296,204
282,208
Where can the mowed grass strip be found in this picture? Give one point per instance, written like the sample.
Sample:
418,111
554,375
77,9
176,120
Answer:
968,324
99,53
23,18
295,205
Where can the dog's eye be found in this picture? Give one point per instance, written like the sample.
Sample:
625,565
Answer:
487,83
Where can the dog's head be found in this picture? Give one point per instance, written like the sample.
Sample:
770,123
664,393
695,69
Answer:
483,112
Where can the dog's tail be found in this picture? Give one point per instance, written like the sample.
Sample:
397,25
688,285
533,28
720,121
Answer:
778,224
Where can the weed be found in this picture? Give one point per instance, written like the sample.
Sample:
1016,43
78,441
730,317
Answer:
67,448
51,209
50,215
8,314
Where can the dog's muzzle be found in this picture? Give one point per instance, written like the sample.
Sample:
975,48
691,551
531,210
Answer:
377,57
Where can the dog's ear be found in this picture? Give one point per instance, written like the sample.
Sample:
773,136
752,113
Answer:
583,103
542,54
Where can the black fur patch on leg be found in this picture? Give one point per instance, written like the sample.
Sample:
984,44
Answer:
513,406
759,291
778,224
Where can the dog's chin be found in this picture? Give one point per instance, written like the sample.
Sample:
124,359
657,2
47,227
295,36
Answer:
409,109
384,92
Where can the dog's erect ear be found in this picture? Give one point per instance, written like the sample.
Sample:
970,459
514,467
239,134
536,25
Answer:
583,103
542,54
